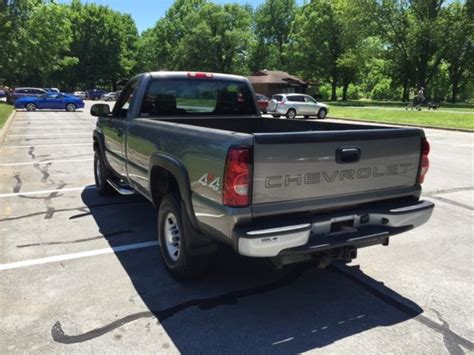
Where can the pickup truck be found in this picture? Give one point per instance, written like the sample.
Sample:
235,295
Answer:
291,191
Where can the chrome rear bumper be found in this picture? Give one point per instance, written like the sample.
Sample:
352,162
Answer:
357,228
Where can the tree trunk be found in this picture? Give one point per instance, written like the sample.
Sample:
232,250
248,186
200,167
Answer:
344,91
454,92
333,90
405,92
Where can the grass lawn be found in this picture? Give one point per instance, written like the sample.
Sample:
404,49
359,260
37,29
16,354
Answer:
441,119
5,111
377,103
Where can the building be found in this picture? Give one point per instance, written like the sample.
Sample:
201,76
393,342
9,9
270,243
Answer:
270,82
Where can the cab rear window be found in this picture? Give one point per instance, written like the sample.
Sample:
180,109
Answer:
187,96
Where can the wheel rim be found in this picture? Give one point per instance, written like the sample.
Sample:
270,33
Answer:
70,107
291,114
322,114
30,107
172,236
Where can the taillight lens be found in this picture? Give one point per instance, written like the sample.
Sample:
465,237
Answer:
237,179
200,75
424,161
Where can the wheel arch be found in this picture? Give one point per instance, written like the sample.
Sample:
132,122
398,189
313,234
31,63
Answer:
173,176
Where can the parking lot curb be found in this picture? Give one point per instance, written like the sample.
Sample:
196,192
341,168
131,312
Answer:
6,127
403,124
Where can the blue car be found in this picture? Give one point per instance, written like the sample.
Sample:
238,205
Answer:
50,101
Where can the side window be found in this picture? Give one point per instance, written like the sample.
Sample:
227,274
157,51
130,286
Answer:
37,92
309,99
296,98
123,103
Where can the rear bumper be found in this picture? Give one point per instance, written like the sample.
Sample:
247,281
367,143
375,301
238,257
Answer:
353,228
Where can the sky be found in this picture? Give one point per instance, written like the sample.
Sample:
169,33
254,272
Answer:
147,12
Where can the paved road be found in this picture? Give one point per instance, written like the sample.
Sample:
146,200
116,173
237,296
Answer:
80,273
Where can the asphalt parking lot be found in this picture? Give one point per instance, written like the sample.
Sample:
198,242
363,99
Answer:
80,273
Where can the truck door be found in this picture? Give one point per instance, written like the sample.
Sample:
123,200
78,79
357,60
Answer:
115,128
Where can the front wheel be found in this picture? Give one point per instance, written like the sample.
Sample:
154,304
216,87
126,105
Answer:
291,114
30,106
101,174
174,242
70,107
322,113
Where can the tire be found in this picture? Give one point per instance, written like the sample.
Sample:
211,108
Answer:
30,106
306,117
276,116
101,174
322,113
70,107
173,242
291,114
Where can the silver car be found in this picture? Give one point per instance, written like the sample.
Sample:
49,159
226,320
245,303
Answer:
292,105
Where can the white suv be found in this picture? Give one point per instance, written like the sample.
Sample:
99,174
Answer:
292,105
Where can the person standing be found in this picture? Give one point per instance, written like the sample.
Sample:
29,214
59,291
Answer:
420,98
412,98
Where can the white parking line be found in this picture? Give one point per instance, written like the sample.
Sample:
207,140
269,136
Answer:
52,126
26,193
44,145
46,162
84,254
48,134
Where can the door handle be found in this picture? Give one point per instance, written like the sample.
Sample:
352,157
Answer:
120,132
345,155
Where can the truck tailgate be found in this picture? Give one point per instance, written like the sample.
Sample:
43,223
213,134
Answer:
303,165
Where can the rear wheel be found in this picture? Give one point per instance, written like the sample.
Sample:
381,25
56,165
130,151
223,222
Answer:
322,113
101,174
70,107
174,241
30,106
291,114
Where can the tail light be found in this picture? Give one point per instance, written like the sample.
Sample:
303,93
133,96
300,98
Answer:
200,75
424,161
237,179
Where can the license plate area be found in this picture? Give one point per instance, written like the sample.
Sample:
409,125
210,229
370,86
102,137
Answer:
343,226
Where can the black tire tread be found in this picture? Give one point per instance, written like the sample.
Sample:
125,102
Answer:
187,266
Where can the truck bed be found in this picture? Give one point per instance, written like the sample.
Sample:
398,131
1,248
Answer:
252,125
294,160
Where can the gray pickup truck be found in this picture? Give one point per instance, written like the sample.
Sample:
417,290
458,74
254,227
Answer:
291,191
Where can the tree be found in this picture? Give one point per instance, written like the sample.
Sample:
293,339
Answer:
273,22
197,35
104,43
326,42
460,51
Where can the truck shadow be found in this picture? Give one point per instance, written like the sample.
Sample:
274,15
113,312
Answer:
241,305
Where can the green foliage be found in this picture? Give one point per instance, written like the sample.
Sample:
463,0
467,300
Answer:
348,49
273,23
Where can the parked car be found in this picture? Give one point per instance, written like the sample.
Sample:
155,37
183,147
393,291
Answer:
262,102
80,94
19,93
218,172
51,101
95,94
110,96
3,93
292,105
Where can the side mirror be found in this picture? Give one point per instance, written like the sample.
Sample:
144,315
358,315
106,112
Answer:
100,110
